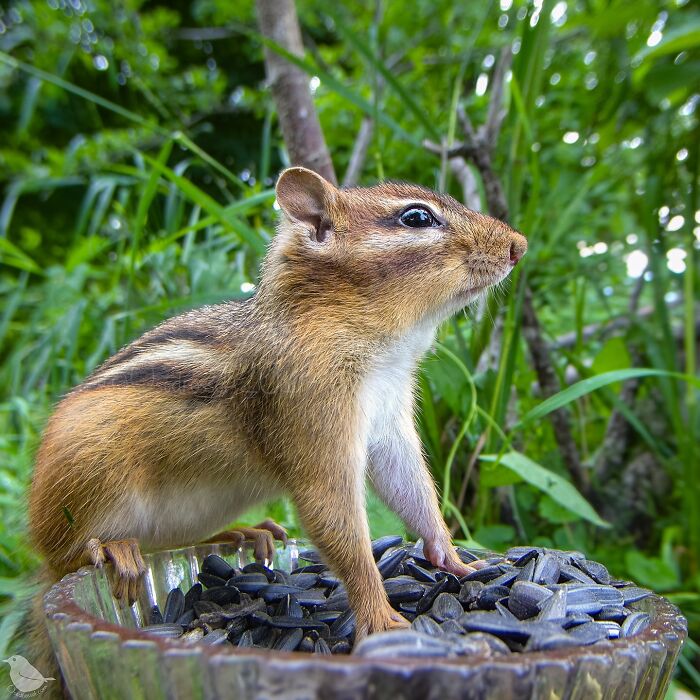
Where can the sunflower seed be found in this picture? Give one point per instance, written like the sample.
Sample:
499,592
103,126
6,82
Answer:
488,573
210,580
249,583
588,633
310,569
215,638
258,568
310,555
165,629
186,618
388,565
174,605
155,617
344,625
401,591
547,569
465,556
532,600
419,573
306,644
554,607
615,613
379,546
426,602
217,566
525,555
290,607
222,595
527,572
632,594
305,581
573,573
591,599
634,623
452,627
469,592
289,640
401,643
593,569
202,607
446,607
321,647
193,595
490,595
525,598
342,646
426,625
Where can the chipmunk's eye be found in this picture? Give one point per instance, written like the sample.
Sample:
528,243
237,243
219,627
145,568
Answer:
418,217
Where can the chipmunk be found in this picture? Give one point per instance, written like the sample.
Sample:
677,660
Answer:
304,389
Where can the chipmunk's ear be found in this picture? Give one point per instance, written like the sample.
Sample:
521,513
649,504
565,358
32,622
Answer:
305,196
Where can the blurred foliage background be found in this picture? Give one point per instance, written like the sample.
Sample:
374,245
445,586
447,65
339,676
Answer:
138,149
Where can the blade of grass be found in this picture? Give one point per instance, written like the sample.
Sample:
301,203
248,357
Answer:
447,469
247,234
342,26
80,92
586,386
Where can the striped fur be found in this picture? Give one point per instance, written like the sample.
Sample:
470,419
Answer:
302,389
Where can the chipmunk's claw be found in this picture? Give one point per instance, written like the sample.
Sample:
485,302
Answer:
128,565
262,536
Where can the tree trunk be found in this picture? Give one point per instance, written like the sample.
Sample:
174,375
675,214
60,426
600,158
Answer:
289,84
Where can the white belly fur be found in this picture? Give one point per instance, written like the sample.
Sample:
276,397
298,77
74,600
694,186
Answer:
182,516
387,388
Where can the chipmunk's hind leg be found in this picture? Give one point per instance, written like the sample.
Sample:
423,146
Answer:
128,563
262,536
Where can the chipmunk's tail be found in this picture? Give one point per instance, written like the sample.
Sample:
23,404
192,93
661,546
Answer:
36,642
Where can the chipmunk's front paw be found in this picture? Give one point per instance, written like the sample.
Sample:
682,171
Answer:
129,567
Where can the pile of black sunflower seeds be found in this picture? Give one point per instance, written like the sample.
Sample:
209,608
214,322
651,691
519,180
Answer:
531,599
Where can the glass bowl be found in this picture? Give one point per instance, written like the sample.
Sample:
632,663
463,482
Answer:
103,653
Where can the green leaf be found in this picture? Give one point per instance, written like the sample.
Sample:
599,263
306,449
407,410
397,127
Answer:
555,486
554,512
497,474
651,571
495,537
449,383
382,520
612,356
586,386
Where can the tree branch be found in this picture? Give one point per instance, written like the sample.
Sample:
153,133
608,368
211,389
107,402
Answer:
359,152
299,122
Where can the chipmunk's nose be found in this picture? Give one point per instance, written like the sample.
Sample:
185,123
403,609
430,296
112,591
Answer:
518,248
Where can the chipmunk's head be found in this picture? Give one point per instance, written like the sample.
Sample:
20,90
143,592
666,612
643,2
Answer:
396,253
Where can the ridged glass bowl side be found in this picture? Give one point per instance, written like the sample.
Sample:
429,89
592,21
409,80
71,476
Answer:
104,654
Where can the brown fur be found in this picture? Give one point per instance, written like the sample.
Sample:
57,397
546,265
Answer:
263,396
